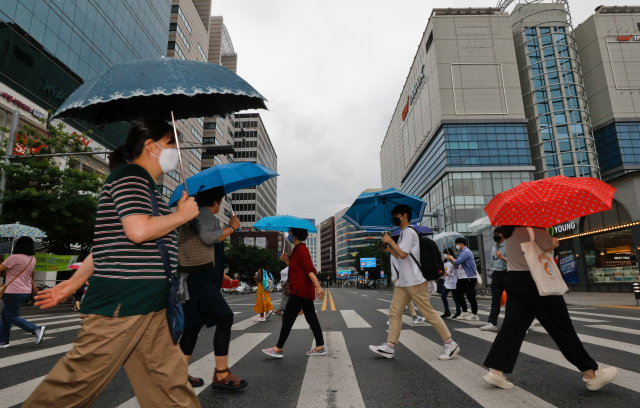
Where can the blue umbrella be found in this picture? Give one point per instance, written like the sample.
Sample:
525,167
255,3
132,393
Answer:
421,230
231,176
372,211
283,223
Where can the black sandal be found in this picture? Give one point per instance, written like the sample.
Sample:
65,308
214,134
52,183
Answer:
196,382
230,382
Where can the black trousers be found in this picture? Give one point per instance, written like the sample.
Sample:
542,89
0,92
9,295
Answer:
294,305
498,285
221,338
467,287
523,305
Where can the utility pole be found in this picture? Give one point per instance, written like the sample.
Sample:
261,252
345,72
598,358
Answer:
439,216
15,121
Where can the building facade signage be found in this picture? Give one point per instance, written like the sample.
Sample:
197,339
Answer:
23,105
628,37
414,92
53,90
569,226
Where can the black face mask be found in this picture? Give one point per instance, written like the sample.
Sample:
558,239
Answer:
396,221
497,238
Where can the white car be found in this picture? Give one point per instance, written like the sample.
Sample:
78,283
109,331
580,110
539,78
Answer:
242,288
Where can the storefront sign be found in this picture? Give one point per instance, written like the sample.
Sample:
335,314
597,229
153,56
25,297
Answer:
628,37
569,226
52,263
567,266
23,105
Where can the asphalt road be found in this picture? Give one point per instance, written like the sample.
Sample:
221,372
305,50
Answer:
351,375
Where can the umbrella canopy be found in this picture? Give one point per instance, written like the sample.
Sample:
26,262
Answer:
421,230
372,211
158,87
231,176
446,239
551,201
18,230
283,223
479,225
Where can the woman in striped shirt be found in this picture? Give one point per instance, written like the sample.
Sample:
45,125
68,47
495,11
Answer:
123,312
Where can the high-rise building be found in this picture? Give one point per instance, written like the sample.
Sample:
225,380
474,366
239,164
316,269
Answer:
317,250
312,245
328,247
252,144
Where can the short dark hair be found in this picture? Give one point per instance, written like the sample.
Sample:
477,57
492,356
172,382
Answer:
401,209
461,240
24,246
140,131
498,230
300,233
447,252
207,198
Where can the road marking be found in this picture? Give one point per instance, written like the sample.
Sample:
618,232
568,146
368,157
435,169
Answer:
324,303
354,320
330,380
405,319
40,319
333,307
27,340
16,394
626,379
614,328
364,295
203,368
385,300
613,344
53,323
301,323
62,329
34,355
467,376
244,324
577,319
605,315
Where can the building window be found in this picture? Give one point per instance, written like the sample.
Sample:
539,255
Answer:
200,121
196,134
247,217
197,153
175,27
243,196
165,191
229,158
193,168
227,213
211,140
202,54
177,9
174,175
173,46
217,159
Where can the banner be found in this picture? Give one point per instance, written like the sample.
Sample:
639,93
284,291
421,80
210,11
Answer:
249,241
567,266
52,263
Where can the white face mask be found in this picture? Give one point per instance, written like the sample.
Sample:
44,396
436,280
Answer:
458,247
168,159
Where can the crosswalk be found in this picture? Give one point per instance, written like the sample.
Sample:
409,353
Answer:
337,380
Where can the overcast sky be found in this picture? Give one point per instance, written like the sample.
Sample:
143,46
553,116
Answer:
332,72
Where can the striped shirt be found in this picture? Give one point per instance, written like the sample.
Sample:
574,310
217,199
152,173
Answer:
128,278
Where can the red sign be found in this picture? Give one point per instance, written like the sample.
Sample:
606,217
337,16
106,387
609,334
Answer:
405,111
624,37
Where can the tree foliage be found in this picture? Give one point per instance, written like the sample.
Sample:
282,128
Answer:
51,194
245,260
382,260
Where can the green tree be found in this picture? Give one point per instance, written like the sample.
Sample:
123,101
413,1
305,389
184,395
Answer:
245,260
382,261
52,195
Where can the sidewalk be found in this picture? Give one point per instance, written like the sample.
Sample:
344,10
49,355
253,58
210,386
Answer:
594,299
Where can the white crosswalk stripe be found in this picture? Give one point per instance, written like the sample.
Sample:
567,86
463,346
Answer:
468,376
41,319
614,328
354,320
626,379
28,340
54,323
16,394
330,380
598,341
405,319
34,355
577,319
608,316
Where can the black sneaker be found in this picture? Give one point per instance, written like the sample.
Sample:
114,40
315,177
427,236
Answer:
446,314
4,344
455,316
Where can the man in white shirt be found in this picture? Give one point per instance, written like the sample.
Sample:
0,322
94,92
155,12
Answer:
411,285
395,267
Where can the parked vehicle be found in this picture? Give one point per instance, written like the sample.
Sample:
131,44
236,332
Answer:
254,289
242,288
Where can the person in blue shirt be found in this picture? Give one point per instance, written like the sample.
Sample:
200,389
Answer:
467,279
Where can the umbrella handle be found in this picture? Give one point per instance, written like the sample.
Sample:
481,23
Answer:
175,134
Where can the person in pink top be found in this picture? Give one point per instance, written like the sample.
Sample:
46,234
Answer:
18,273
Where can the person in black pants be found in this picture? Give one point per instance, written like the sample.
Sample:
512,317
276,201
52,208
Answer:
498,278
467,279
524,303
303,280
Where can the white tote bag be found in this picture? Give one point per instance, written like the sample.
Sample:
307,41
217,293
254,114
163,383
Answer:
543,269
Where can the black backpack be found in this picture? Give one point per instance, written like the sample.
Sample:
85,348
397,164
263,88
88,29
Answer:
431,264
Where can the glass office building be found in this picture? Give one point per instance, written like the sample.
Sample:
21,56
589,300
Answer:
50,47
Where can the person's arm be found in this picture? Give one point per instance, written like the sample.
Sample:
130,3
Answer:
544,240
3,270
556,243
499,255
395,249
50,297
319,291
464,256
284,258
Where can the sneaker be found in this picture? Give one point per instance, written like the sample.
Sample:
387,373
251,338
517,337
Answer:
40,334
4,344
386,349
272,352
314,352
471,317
445,314
498,380
417,319
450,350
489,327
269,313
260,319
603,377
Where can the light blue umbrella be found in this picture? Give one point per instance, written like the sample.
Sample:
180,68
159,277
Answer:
18,230
283,223
446,239
372,211
231,176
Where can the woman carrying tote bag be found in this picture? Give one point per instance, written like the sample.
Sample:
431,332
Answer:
526,303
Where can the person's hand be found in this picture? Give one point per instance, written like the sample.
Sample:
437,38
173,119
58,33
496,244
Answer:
284,258
234,222
187,207
50,297
451,258
498,254
387,239
320,293
226,277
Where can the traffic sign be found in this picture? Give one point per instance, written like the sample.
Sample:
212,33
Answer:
366,274
368,262
382,274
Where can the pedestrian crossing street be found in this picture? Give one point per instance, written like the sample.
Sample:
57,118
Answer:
338,380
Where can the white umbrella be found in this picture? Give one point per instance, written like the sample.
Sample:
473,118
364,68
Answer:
479,225
446,239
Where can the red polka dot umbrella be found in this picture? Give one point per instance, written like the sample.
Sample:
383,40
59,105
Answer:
551,201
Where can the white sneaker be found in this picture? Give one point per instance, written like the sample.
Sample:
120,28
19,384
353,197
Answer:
472,317
384,350
464,315
489,327
260,319
40,334
603,377
417,319
498,380
450,350
387,322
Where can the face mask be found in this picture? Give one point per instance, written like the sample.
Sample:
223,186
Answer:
396,221
168,159
497,238
290,238
458,247
444,257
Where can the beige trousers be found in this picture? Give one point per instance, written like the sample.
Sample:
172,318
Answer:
419,295
412,310
155,366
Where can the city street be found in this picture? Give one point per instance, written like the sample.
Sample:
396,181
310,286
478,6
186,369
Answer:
353,376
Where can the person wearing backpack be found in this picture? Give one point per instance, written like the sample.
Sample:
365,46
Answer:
467,279
411,285
263,298
395,267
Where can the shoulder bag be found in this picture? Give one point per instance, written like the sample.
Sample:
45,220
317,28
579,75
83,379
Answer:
175,314
194,256
5,286
544,270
